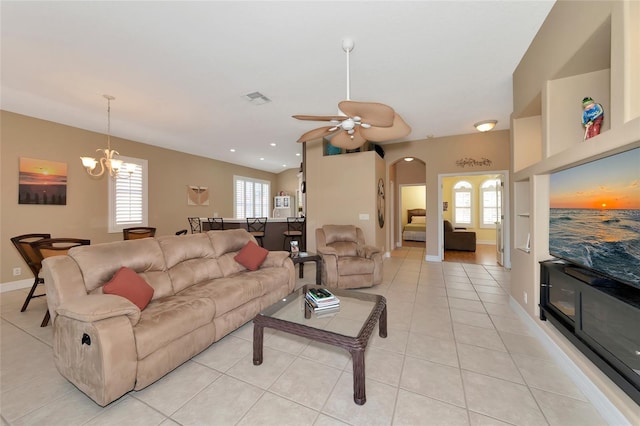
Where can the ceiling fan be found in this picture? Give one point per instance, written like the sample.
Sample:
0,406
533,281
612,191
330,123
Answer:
357,122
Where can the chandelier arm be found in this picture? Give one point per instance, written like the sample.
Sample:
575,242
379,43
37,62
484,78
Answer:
102,168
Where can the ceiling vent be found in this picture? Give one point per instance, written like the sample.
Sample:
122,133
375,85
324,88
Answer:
257,98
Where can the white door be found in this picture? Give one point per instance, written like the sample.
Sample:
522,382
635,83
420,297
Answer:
499,220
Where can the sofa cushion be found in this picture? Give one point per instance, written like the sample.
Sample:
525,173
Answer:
168,319
126,283
229,240
251,256
99,262
190,260
227,293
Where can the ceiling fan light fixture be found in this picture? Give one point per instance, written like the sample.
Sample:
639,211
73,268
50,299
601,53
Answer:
486,125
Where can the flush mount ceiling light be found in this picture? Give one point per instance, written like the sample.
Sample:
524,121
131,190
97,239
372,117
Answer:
107,162
486,125
408,159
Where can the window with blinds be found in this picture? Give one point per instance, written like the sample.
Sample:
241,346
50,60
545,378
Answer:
128,195
251,197
490,203
462,203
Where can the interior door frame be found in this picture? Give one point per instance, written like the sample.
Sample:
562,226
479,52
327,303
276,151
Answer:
506,235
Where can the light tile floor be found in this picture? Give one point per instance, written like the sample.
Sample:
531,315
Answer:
456,354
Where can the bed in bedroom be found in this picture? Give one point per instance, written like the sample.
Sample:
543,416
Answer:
416,228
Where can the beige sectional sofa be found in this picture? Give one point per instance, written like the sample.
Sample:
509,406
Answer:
106,346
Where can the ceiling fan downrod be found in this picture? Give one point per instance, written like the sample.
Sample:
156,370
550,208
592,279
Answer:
347,46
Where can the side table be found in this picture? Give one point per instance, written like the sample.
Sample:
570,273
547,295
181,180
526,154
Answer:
308,257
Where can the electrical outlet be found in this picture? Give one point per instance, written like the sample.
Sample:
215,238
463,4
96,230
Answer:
525,298
17,272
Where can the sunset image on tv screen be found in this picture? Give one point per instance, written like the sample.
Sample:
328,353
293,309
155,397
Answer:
594,218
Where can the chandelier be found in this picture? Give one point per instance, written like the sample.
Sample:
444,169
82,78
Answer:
107,162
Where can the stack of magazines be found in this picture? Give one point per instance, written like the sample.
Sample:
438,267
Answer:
322,300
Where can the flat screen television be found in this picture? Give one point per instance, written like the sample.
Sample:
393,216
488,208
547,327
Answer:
594,220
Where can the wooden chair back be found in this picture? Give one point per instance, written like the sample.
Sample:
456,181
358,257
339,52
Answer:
138,232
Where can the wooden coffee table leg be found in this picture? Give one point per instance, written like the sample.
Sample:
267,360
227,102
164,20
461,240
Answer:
318,272
382,322
258,334
359,394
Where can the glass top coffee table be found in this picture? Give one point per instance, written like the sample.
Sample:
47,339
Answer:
361,310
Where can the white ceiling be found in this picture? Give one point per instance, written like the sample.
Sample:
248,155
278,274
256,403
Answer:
179,70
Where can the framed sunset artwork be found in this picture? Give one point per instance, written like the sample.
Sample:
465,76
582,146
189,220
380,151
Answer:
42,182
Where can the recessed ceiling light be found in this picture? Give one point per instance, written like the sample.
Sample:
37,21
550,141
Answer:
232,150
408,159
261,158
272,144
284,165
297,154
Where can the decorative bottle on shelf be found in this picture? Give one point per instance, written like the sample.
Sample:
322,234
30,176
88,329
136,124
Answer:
592,116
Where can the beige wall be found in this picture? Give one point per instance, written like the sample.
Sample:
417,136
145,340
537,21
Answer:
592,44
340,188
85,215
439,156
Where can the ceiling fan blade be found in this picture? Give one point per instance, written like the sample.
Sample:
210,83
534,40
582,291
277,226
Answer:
399,129
319,117
374,113
343,140
317,133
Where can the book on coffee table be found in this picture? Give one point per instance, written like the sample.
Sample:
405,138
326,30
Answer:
319,298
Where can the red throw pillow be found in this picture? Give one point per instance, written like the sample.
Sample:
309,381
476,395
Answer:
251,256
128,284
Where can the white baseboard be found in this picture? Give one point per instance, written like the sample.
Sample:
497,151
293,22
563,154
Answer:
16,285
609,412
486,242
432,258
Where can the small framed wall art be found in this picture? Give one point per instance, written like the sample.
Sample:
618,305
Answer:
197,195
42,182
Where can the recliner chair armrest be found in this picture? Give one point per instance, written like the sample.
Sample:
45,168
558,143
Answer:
327,251
96,307
329,265
368,251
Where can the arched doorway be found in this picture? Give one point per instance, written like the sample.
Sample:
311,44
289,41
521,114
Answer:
408,178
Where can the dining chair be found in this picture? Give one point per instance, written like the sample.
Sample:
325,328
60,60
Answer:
48,247
22,244
257,226
295,229
195,224
216,223
138,232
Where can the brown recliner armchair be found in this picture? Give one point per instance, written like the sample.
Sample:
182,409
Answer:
458,239
347,262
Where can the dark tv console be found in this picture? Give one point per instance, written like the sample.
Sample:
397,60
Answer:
599,315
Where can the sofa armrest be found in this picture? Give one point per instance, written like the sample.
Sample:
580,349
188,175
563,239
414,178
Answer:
99,357
98,307
275,259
